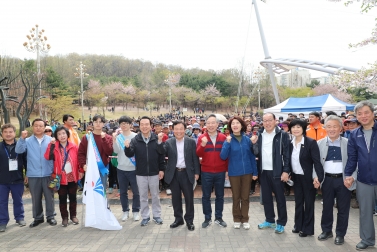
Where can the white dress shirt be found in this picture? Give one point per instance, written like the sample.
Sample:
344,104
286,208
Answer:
267,139
333,166
295,158
180,153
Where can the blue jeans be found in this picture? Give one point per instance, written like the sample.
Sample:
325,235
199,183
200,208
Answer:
124,179
18,207
217,180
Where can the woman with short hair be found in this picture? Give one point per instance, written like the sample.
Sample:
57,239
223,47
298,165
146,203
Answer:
64,153
304,154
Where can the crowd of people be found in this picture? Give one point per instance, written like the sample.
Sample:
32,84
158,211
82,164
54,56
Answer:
333,154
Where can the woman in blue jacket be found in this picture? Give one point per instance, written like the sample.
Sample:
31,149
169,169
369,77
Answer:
242,169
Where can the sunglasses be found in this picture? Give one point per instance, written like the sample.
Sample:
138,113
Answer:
48,131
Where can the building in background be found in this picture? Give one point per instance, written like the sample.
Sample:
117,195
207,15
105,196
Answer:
295,78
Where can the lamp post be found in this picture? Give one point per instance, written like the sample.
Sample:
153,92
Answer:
37,43
81,74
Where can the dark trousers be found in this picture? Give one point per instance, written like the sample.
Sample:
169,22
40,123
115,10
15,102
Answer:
334,188
271,185
113,180
253,184
18,207
210,180
181,184
304,204
240,195
39,187
125,178
70,191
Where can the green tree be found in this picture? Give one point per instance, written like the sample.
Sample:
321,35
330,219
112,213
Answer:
313,84
58,106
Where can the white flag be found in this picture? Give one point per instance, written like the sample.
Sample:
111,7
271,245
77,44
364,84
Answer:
97,214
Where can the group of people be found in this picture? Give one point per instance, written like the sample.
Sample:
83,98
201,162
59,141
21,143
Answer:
329,156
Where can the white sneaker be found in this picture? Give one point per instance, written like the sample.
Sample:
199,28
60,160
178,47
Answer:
237,225
125,216
136,216
246,225
168,191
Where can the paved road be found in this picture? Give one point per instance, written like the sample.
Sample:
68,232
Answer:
154,237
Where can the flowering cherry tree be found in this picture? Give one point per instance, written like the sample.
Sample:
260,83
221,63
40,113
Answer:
210,93
364,78
333,90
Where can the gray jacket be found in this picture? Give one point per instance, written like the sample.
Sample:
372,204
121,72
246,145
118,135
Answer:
323,150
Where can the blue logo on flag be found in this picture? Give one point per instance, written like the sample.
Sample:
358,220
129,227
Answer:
99,187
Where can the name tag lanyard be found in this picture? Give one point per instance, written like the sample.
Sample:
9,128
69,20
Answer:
65,156
8,155
13,164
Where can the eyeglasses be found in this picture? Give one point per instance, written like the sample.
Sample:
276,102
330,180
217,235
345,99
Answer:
268,121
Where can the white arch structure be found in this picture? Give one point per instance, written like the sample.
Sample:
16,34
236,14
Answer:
285,64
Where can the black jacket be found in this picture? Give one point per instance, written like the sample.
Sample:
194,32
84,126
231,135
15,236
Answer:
309,157
280,153
191,159
149,157
11,177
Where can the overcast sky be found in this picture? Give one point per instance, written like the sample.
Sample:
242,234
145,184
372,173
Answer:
209,34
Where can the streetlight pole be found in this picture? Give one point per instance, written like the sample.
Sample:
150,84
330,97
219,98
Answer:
81,74
37,43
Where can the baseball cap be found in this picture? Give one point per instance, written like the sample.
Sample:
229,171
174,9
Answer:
195,126
350,120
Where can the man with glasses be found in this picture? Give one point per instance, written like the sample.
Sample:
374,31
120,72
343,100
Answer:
126,169
272,149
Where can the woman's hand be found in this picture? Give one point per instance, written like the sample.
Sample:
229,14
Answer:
228,138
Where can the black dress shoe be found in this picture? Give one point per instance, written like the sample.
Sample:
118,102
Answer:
190,226
36,223
325,235
339,240
302,234
295,231
176,224
52,221
361,246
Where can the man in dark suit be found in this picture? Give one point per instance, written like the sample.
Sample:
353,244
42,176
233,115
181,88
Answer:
181,172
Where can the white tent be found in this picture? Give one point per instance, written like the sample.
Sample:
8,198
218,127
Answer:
306,105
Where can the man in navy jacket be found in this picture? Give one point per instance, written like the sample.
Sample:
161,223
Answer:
362,149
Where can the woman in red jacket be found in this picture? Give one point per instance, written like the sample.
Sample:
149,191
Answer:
64,154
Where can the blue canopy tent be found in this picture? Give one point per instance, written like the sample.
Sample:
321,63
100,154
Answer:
306,105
